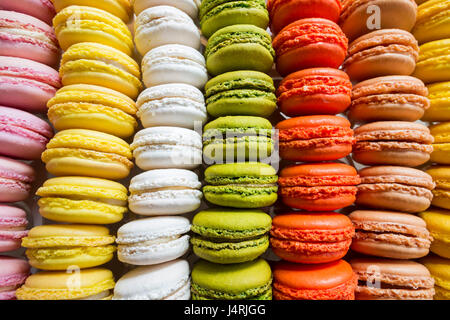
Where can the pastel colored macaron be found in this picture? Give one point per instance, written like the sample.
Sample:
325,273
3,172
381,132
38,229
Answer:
441,145
243,92
164,192
390,234
82,200
309,43
228,236
165,281
153,240
160,25
13,223
237,137
326,281
81,152
314,91
433,65
167,147
60,246
15,180
118,8
214,15
390,279
437,221
318,186
88,284
241,185
172,104
394,98
439,269
85,106
239,281
98,64
41,9
190,7
22,135
311,238
13,273
26,37
395,188
439,96
174,63
381,53
392,143
239,47
315,138
432,23
441,194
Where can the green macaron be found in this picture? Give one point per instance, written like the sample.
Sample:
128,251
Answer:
230,235
241,185
243,93
216,14
239,47
240,281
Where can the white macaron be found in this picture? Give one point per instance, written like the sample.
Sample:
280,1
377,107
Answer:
188,6
166,281
174,63
164,192
175,104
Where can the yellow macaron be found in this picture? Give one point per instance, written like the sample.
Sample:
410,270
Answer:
433,21
80,152
438,223
440,271
84,106
119,8
434,62
89,284
441,145
82,200
439,95
97,64
441,192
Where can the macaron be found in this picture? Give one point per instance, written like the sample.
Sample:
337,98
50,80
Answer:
85,106
431,23
381,53
88,284
167,147
172,104
160,25
119,8
15,180
80,152
325,281
441,176
395,188
174,63
315,138
13,272
441,150
439,97
22,135
228,236
13,224
433,65
400,143
214,15
244,92
190,7
390,234
97,64
439,269
41,9
311,238
165,281
26,37
153,240
237,138
318,186
60,246
437,221
309,43
388,279
241,185
26,84
394,98
314,91
239,281
75,24
164,192
360,17
239,47
82,200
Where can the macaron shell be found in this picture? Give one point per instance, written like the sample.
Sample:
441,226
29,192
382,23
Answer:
433,65
119,8
41,9
15,180
431,21
190,7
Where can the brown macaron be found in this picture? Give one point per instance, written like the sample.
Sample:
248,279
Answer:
395,188
390,234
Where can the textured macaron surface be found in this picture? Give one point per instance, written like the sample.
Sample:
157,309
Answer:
440,271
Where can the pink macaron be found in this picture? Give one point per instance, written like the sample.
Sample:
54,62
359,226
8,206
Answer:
27,84
13,223
13,273
22,135
15,180
26,37
42,9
